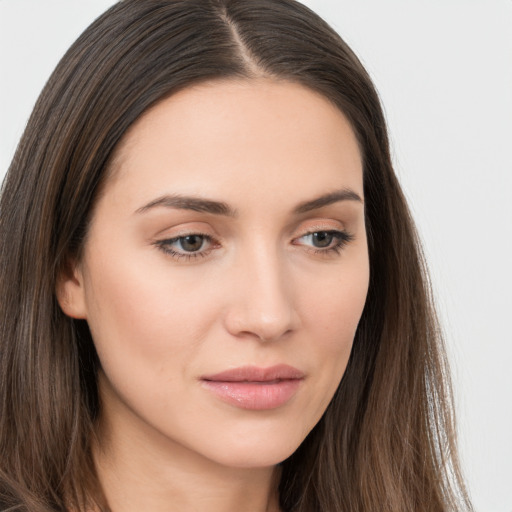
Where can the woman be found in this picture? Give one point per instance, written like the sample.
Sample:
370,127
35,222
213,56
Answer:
213,297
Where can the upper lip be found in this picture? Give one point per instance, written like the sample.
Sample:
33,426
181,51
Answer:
256,374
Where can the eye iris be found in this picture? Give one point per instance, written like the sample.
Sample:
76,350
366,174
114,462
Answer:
191,243
322,239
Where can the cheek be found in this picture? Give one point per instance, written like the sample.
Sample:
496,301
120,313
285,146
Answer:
137,313
149,335
332,308
333,303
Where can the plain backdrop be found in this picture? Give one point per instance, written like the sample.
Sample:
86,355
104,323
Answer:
443,69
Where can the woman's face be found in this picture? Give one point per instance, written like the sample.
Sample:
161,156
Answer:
225,271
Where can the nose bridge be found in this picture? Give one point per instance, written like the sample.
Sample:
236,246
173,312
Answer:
263,305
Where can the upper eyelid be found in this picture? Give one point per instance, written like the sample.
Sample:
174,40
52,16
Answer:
214,237
185,234
343,234
212,240
179,230
202,227
324,229
320,224
344,237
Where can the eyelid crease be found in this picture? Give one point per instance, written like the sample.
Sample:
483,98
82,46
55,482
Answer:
180,228
327,225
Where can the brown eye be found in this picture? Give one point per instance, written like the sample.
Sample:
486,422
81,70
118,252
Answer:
191,243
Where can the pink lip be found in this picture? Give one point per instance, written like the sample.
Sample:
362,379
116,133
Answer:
250,387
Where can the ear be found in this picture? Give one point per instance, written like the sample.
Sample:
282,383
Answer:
70,291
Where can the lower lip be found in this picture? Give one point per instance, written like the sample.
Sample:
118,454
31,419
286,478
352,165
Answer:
256,396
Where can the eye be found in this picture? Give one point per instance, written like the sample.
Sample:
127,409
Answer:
191,243
325,241
188,246
320,239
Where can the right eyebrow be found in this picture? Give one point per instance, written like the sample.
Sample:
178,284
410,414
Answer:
196,204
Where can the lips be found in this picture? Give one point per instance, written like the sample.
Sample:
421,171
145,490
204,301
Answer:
251,387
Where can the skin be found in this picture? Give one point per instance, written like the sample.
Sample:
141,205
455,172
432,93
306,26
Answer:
261,292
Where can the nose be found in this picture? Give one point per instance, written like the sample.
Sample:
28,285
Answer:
262,299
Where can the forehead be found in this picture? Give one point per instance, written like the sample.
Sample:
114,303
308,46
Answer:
253,136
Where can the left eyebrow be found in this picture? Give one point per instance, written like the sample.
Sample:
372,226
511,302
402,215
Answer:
327,199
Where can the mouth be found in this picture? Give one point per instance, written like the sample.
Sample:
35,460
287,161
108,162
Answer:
254,388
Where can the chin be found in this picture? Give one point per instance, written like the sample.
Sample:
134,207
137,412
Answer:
265,450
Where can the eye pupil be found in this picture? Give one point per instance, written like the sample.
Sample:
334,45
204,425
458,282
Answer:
322,239
191,243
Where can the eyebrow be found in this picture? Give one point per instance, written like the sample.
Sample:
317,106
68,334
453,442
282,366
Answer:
198,204
328,199
195,204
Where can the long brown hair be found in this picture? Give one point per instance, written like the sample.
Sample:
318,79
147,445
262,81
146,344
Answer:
387,440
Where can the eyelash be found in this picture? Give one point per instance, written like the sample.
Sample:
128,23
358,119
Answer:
166,246
342,239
